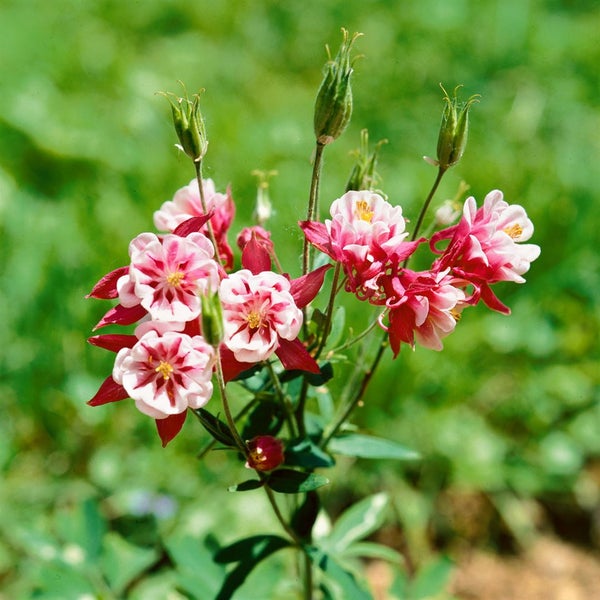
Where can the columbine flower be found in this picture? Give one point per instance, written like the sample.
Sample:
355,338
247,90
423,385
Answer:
424,306
186,204
167,275
165,374
265,453
258,311
366,234
486,246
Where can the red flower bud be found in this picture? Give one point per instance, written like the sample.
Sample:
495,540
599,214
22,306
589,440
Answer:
265,453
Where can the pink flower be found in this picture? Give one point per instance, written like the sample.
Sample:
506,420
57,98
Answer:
166,373
486,246
167,276
186,204
424,306
258,311
366,234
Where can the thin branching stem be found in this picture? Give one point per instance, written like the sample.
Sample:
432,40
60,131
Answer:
211,232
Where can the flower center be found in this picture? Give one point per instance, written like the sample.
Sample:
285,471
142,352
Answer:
254,319
164,369
363,211
514,231
175,279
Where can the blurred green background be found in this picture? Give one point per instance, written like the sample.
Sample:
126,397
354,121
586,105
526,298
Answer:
507,417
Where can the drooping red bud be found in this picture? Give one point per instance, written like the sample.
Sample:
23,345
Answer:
265,453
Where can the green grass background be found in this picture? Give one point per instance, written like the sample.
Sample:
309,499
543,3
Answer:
510,409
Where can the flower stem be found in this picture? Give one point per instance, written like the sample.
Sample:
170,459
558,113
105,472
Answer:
211,233
329,312
227,410
434,187
313,202
284,399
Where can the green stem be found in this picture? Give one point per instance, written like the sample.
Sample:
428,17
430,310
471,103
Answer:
434,187
313,202
360,336
283,398
211,233
227,410
329,312
358,397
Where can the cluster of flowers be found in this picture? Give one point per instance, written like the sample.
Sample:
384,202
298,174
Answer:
367,236
166,366
175,279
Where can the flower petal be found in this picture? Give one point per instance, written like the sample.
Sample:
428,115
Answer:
106,288
121,315
294,356
110,391
305,288
169,427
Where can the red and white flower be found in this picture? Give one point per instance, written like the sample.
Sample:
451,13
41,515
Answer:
166,373
186,204
486,246
167,275
366,234
258,312
424,307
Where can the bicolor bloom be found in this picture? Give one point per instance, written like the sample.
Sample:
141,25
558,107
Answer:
258,312
167,275
486,246
186,204
166,373
423,307
366,235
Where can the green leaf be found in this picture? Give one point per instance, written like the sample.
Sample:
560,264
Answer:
317,379
250,547
366,446
305,516
432,579
288,481
265,419
123,561
373,550
246,486
341,584
197,572
357,522
249,552
305,453
219,430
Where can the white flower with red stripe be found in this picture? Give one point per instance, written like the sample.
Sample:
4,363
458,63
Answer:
167,275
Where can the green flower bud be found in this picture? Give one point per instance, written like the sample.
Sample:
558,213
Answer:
363,175
333,106
454,128
212,319
189,125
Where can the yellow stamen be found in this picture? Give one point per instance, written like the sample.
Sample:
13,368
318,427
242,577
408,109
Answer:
514,231
175,279
457,315
165,369
254,320
362,211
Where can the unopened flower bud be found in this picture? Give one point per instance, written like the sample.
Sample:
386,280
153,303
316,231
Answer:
452,139
364,175
212,319
265,453
333,107
263,208
189,125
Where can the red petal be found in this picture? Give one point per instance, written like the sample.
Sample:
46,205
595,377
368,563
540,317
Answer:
106,288
169,427
316,234
121,315
294,356
492,300
305,288
110,391
113,341
231,367
255,257
192,225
